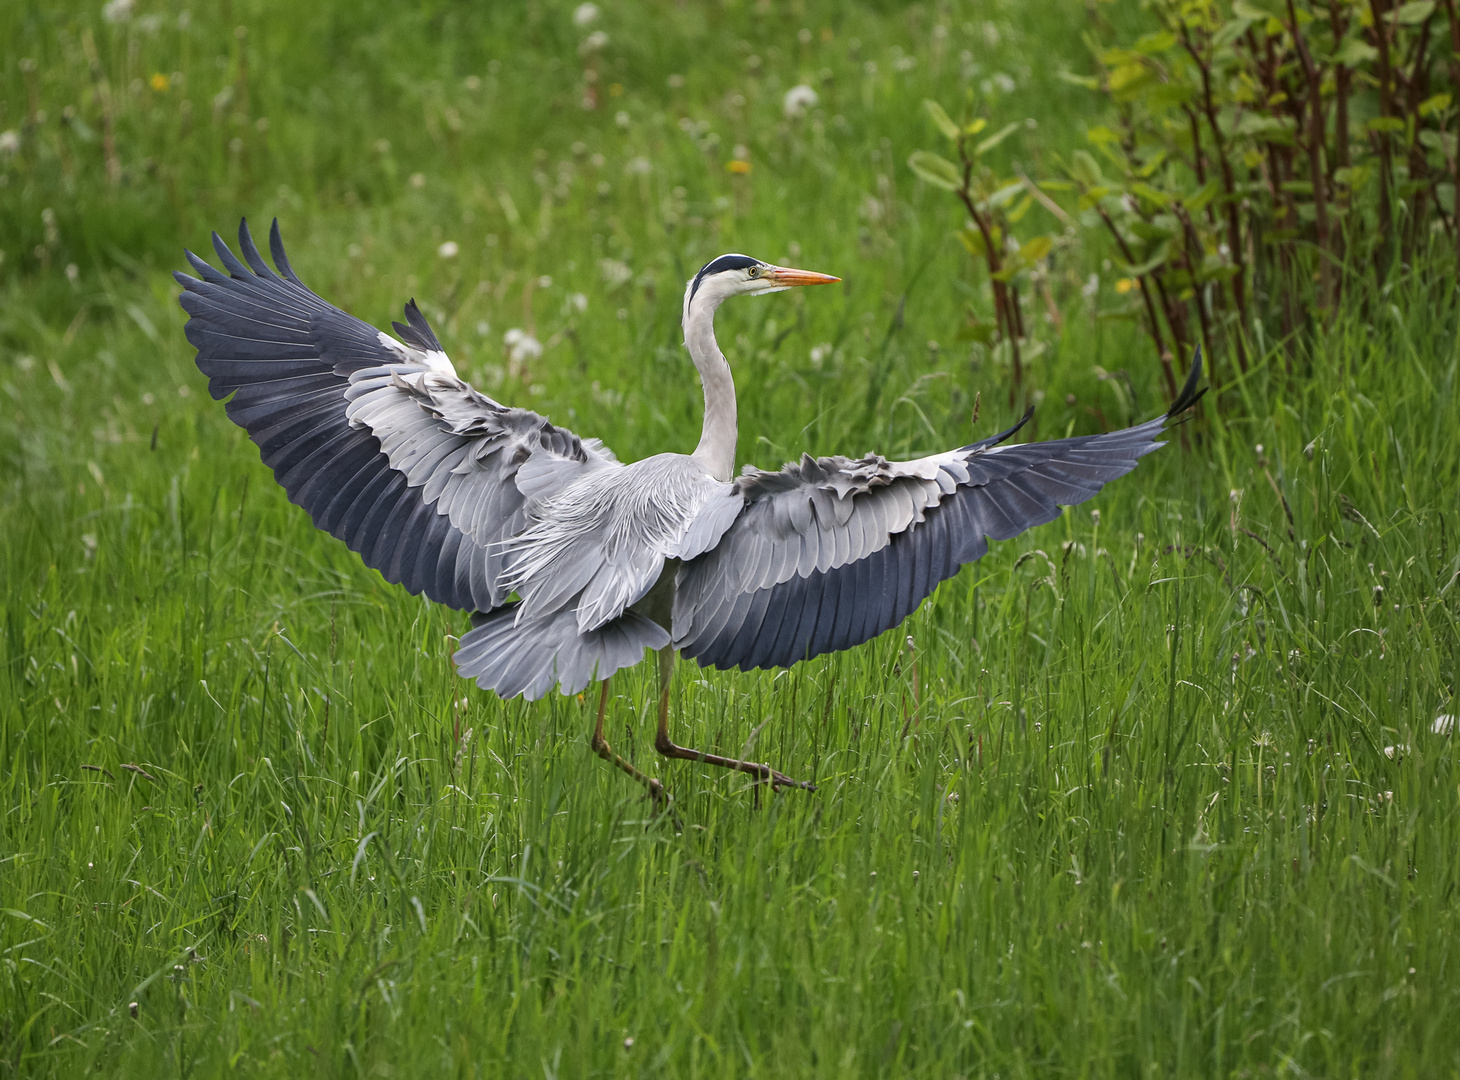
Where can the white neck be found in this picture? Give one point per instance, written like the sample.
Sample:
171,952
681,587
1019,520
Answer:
716,451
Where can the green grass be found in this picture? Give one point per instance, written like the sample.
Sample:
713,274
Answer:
1123,806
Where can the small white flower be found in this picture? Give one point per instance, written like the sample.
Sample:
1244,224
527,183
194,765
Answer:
578,302
621,118
594,42
585,14
1091,287
638,166
1444,724
9,142
798,99
118,11
1004,83
483,328
529,348
819,353
521,345
614,272
448,250
418,180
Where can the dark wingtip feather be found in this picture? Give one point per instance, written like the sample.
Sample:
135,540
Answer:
416,330
251,252
276,249
994,440
1189,395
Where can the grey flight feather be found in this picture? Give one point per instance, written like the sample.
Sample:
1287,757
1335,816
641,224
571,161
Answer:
830,552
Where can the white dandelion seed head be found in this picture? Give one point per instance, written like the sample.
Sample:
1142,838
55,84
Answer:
578,302
522,345
585,14
9,142
593,43
798,99
638,166
118,11
449,250
614,272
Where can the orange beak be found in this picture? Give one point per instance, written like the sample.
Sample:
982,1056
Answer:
784,275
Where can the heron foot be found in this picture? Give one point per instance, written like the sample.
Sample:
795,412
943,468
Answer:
762,772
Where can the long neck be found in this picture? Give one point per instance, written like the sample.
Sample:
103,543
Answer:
716,451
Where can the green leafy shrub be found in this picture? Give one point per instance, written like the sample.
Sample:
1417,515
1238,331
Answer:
1261,157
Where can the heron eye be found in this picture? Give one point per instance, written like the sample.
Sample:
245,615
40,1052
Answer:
755,271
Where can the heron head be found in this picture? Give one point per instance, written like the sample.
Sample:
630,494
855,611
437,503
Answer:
740,275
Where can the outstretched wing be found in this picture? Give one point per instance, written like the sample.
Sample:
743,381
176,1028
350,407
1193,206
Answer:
830,552
375,436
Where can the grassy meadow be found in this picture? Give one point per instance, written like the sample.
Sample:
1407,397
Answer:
1160,788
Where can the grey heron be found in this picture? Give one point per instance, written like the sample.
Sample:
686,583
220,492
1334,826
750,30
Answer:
573,563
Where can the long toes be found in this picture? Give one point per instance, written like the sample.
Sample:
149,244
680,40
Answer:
780,780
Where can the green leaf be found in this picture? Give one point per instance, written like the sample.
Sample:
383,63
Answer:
975,126
1159,42
1017,214
1355,52
1386,123
1160,255
972,239
1443,141
1037,249
1230,33
1198,202
982,332
1247,9
936,170
1005,194
1414,12
1127,79
1150,194
1089,82
1272,129
941,119
996,138
1085,169
1437,103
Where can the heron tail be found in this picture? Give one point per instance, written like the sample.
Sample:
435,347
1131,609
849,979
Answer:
509,658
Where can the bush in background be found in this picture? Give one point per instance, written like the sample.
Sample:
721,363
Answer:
1262,158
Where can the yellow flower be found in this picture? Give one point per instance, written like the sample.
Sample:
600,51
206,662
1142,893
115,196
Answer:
736,165
616,90
1125,285
160,82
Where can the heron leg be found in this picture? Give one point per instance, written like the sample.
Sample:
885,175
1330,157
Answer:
666,746
603,750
